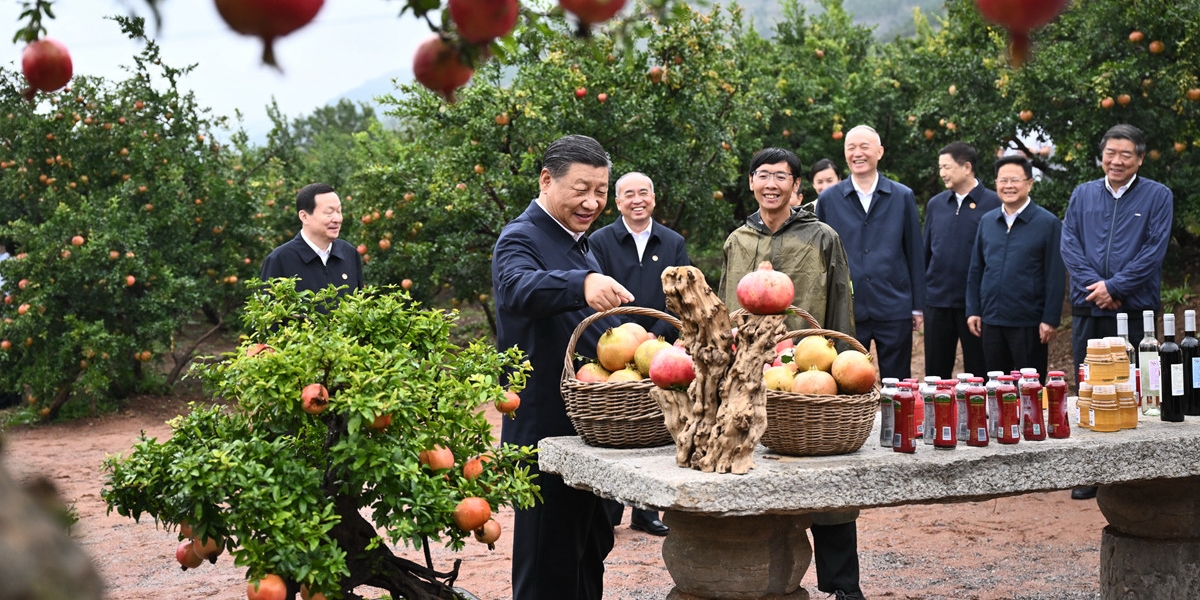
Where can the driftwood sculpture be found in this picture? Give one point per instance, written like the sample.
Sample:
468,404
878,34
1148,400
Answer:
720,419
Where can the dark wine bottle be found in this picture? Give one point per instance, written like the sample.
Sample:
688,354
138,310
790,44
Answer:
1171,360
1190,346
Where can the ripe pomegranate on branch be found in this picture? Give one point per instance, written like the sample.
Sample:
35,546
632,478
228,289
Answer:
1020,17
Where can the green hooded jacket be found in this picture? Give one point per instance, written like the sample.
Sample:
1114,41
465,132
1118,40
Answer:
808,251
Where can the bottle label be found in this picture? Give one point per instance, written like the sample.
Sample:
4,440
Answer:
1177,380
1196,372
1151,374
1091,416
1016,431
981,434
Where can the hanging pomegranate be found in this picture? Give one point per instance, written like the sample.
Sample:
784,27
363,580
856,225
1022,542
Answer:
268,19
46,64
481,21
592,11
1020,17
439,67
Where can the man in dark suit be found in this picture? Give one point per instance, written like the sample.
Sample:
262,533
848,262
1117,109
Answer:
546,281
878,222
635,250
316,255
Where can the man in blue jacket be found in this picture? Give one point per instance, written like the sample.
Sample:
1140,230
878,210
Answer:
1015,283
546,282
880,229
951,219
1114,239
635,250
316,255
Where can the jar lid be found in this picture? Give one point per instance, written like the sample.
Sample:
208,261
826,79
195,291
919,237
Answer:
1098,343
976,380
965,376
1124,386
890,380
1103,389
1056,374
1083,385
995,373
1029,371
1115,341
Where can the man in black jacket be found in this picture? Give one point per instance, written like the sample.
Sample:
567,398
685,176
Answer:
635,250
315,255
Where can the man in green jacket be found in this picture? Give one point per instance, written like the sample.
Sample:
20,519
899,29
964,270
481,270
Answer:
811,253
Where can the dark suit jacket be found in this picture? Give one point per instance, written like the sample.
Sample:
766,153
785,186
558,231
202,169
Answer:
887,268
616,251
296,259
537,274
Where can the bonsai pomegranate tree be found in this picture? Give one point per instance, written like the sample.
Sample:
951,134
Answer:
281,488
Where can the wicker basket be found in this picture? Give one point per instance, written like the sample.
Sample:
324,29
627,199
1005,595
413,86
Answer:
619,414
816,425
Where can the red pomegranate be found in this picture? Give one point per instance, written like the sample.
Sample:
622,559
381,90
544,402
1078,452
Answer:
481,21
268,19
1020,17
592,11
46,63
592,373
765,291
672,369
438,66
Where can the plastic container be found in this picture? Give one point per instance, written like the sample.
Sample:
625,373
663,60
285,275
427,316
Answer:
1008,430
1106,414
1127,405
960,400
1033,423
887,412
1057,423
945,432
977,415
905,405
1098,363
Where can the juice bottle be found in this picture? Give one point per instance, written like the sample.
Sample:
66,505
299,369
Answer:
960,400
1058,426
1033,425
887,412
926,394
993,404
1008,430
905,405
977,415
945,417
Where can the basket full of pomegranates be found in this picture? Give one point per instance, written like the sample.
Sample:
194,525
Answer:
608,399
819,401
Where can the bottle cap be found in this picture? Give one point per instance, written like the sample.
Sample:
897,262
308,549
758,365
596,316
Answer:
1056,374
995,373
1098,343
1029,371
976,380
890,380
932,379
965,376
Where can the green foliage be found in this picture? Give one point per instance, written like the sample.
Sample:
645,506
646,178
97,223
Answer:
268,477
167,231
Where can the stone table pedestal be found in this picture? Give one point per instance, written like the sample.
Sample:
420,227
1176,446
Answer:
1152,541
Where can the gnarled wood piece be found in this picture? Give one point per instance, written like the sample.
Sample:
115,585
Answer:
742,417
721,419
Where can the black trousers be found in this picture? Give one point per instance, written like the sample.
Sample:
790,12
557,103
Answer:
835,552
1013,348
559,545
1084,328
893,344
945,329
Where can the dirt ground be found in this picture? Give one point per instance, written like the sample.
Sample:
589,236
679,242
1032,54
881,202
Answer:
1042,546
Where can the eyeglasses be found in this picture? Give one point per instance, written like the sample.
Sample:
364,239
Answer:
1011,181
780,176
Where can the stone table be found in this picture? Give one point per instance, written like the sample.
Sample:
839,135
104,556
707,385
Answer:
741,537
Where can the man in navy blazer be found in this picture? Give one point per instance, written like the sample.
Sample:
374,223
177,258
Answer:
635,250
881,231
546,282
316,255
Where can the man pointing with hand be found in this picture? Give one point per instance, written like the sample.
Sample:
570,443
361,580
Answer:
546,282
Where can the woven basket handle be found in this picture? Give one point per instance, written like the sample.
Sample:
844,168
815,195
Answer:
829,333
808,318
569,362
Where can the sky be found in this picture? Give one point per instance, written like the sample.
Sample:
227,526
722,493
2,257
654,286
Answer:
349,43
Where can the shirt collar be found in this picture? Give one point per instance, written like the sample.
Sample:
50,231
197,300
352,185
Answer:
574,236
1117,193
324,254
869,191
645,232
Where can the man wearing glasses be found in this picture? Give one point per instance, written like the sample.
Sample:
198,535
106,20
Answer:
1114,239
878,222
811,253
1015,283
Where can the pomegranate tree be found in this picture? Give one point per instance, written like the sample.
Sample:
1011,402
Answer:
1020,17
268,19
46,64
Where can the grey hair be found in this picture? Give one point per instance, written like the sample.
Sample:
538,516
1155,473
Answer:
1125,131
634,174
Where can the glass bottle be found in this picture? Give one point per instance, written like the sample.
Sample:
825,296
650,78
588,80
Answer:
1033,424
1127,405
1130,352
945,431
1171,361
1190,347
905,405
960,400
887,412
1056,397
977,415
993,404
929,421
1149,380
1008,430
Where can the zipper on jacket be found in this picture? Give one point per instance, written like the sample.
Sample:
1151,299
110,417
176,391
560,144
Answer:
1108,246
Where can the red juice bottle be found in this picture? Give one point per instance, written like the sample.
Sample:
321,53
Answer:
905,406
945,428
977,412
1009,428
1033,423
1059,426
